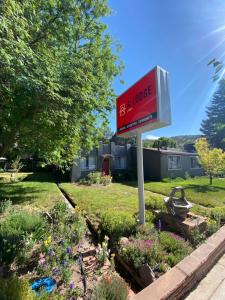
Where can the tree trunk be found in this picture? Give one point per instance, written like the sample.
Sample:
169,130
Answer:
210,177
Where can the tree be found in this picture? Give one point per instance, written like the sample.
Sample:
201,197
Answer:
213,127
212,160
164,142
57,67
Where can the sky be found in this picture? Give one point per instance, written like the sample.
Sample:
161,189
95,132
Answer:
180,36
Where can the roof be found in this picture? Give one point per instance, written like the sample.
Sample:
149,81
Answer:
172,151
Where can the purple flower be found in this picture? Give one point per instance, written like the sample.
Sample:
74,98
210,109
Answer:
149,243
64,262
68,250
159,225
55,270
176,236
79,260
50,252
71,285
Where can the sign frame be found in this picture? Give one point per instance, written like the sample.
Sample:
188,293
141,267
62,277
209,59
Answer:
162,99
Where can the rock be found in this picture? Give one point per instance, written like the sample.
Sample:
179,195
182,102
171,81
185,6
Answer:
146,274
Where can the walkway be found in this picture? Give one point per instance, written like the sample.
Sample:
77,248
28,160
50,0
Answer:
212,286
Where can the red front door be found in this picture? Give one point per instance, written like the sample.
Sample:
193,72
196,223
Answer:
105,166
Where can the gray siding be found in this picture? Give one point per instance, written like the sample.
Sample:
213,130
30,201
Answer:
185,166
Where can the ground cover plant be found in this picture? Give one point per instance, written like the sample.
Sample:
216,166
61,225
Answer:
197,190
161,250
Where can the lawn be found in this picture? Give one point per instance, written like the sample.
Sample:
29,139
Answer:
198,190
36,190
116,197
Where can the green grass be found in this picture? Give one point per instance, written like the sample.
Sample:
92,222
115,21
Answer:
117,197
197,190
36,190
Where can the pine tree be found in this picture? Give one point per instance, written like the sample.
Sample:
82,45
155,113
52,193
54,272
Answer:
213,127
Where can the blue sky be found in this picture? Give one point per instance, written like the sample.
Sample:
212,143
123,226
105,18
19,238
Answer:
180,36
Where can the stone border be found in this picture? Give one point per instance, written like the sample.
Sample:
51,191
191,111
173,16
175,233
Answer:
182,278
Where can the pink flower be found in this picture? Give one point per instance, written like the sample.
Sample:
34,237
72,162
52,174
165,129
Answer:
41,260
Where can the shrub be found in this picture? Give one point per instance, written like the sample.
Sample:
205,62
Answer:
111,287
106,179
94,178
117,224
155,202
14,288
5,205
15,231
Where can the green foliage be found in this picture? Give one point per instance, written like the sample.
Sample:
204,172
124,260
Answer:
106,179
94,178
197,190
16,164
212,160
213,127
5,205
110,288
117,224
164,143
15,289
18,231
56,254
57,68
152,247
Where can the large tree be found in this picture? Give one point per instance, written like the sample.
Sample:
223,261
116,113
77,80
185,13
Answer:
213,127
57,65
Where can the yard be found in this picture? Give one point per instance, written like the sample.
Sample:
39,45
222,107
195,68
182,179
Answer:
198,190
33,190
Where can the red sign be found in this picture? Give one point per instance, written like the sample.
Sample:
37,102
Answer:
138,105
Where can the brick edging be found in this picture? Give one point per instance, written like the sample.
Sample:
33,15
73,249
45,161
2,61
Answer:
178,281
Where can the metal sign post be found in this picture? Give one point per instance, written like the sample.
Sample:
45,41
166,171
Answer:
143,107
140,180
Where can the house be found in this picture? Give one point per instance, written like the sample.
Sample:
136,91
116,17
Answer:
172,163
110,158
113,158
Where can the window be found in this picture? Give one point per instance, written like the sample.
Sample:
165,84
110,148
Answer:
120,162
91,162
174,162
194,163
88,163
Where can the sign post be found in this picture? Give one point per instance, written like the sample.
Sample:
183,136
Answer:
140,180
143,107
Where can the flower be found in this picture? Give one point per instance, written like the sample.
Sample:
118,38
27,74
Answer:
68,250
41,260
50,252
71,285
107,279
64,262
159,225
55,270
149,243
79,260
176,236
48,241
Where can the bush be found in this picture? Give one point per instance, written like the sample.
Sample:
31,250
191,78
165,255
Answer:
153,248
94,178
16,232
111,287
5,205
106,179
15,289
117,224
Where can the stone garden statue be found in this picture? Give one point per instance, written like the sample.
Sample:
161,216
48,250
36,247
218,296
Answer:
178,207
